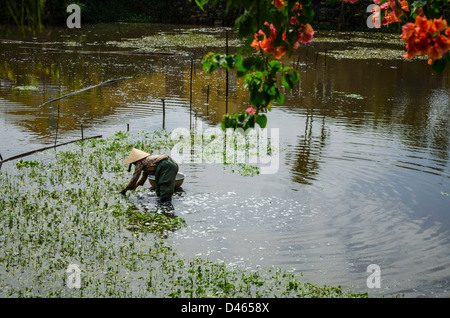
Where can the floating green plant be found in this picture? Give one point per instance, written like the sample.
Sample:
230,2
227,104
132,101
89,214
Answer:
166,41
26,88
26,163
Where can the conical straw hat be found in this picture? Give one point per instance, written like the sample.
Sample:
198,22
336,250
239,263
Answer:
135,155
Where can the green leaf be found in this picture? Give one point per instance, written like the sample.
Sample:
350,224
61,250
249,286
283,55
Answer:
439,65
279,97
231,61
201,3
308,12
286,81
261,120
245,25
256,98
289,79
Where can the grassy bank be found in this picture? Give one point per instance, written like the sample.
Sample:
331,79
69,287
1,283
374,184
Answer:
61,208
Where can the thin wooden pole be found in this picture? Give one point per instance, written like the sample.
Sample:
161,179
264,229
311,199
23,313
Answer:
128,127
84,89
45,148
190,97
82,136
226,85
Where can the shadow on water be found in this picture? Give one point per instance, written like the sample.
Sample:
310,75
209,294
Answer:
364,160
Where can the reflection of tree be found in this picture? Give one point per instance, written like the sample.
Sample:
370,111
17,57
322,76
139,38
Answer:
402,99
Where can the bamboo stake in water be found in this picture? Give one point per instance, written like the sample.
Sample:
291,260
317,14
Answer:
164,114
85,89
226,87
190,97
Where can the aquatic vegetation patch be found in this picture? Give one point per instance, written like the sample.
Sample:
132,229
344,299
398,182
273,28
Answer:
351,95
156,223
27,163
167,42
358,37
63,208
25,88
365,53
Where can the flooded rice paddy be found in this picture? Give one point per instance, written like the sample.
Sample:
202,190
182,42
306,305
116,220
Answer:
363,152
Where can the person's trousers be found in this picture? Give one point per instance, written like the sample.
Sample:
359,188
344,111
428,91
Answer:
165,176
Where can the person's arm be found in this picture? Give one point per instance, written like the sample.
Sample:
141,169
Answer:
143,178
132,185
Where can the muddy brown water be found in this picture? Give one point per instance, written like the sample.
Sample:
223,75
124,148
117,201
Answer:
364,152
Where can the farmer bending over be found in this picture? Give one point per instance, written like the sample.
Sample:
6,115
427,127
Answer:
163,167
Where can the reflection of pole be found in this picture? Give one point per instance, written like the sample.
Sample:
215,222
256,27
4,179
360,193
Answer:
164,114
57,126
190,97
207,101
82,137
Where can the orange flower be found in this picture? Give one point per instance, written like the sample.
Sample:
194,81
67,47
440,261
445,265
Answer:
404,5
306,33
425,38
279,4
441,45
393,13
440,24
267,44
297,6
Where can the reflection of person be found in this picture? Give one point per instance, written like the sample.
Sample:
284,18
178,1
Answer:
163,167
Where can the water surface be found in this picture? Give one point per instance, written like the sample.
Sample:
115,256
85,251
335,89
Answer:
364,152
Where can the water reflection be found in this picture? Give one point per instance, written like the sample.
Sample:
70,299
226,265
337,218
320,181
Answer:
364,163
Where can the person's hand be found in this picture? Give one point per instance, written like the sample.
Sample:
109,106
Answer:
123,192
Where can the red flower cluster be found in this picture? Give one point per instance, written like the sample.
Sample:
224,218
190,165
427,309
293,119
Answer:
279,4
305,35
426,37
393,12
267,43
